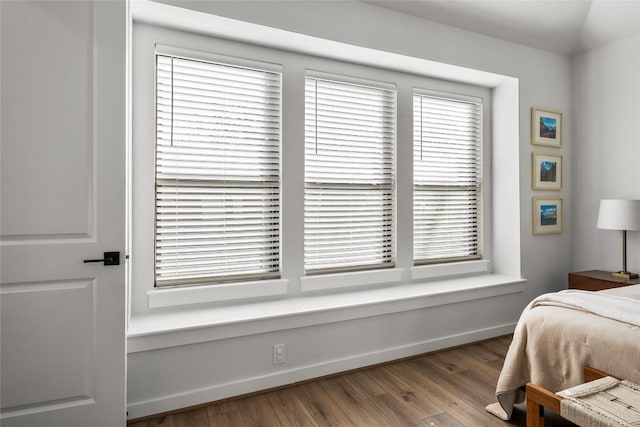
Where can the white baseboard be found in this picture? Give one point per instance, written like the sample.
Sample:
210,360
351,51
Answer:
249,385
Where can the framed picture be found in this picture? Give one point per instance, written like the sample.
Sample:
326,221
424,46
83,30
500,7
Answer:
546,127
547,171
547,215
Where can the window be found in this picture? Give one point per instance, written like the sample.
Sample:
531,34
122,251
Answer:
349,175
446,178
217,172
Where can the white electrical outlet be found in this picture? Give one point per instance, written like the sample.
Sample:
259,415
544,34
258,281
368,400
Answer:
279,353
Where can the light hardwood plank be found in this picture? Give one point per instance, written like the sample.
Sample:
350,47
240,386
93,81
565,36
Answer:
322,408
359,410
256,411
286,404
394,411
222,408
496,347
363,384
162,421
405,392
193,418
480,353
442,420
230,418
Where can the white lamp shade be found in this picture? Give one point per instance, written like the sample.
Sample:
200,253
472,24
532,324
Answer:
617,214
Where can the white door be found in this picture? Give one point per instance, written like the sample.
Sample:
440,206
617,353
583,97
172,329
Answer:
62,201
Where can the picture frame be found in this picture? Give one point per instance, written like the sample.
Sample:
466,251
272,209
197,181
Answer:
546,127
547,215
546,171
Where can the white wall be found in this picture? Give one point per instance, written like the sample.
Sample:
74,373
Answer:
606,99
164,379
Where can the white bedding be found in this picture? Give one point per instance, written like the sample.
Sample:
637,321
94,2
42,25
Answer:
558,334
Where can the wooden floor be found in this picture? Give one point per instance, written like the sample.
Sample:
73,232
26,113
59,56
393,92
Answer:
447,388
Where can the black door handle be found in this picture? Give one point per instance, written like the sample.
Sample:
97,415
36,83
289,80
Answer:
110,258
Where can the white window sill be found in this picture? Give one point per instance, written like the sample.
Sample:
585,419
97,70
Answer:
186,295
201,324
450,269
352,279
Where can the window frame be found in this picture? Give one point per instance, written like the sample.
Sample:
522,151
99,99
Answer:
391,187
232,62
480,186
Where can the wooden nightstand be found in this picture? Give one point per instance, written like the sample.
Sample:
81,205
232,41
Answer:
595,280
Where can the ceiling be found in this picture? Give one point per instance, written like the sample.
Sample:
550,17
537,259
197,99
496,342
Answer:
563,26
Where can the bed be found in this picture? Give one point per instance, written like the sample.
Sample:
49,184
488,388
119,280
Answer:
559,334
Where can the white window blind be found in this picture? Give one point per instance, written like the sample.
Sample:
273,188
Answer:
447,179
217,172
349,176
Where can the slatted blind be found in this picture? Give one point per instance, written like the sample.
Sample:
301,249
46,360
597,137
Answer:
349,145
217,172
447,179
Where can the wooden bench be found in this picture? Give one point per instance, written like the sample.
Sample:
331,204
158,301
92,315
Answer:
539,398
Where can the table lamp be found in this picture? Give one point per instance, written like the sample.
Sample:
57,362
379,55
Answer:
618,214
